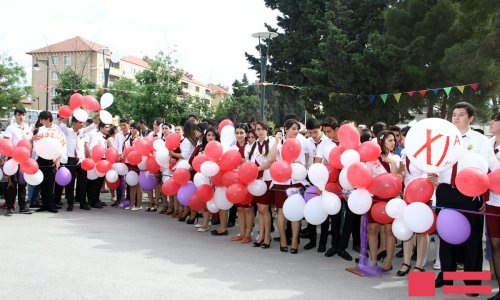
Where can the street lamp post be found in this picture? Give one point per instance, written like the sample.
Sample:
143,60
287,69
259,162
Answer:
263,63
113,59
37,67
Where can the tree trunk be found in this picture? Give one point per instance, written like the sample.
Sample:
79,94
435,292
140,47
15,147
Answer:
430,108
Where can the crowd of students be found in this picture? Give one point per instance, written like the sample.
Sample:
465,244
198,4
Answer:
259,144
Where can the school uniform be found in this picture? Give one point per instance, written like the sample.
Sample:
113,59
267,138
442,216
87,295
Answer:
493,204
94,186
258,154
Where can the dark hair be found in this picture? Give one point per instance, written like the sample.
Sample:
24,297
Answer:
202,127
204,141
381,137
394,128
189,132
251,131
365,136
330,122
263,125
405,130
291,116
20,110
141,121
471,111
135,125
266,146
290,122
73,120
113,130
209,121
193,116
496,116
101,125
159,121
378,127
167,124
89,122
124,120
45,115
313,123
242,126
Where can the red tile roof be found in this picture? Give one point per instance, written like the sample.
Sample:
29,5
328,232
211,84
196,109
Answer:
136,61
76,44
217,89
187,79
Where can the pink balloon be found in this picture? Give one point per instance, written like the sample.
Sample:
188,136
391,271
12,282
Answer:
291,150
348,136
369,151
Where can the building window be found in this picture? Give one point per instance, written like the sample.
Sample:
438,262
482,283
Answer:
197,88
53,92
185,85
53,75
55,60
67,60
207,92
55,107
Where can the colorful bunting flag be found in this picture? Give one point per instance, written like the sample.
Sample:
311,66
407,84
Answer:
384,97
473,86
371,98
410,93
447,90
397,96
461,88
435,91
422,92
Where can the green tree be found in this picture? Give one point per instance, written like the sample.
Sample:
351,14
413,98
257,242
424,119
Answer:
126,97
198,106
69,81
239,109
13,85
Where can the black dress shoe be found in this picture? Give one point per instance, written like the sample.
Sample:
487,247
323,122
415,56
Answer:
215,232
52,210
70,208
102,203
57,206
321,248
86,207
25,211
439,282
309,246
95,206
345,255
42,209
331,252
472,295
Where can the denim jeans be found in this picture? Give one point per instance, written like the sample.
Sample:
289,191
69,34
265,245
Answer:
33,194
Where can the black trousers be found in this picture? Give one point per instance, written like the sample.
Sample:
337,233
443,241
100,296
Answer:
94,190
47,185
81,186
313,235
232,214
14,188
69,190
471,250
340,232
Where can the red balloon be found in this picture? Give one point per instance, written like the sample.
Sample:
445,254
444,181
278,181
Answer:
6,147
224,123
195,203
197,161
359,175
97,152
334,157
230,160
213,150
75,101
216,180
369,151
236,193
229,178
281,171
205,192
134,158
111,155
88,164
152,165
24,143
21,154
181,176
29,166
170,187
333,174
419,190
334,187
248,199
65,112
172,141
291,150
142,146
90,103
126,151
433,227
495,181
113,185
385,186
472,182
378,213
348,136
103,166
248,172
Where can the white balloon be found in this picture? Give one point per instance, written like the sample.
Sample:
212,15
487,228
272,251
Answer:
360,201
349,157
220,199
299,172
318,175
132,178
111,176
105,117
472,160
227,136
92,174
257,187
293,208
200,179
395,208
159,144
162,157
183,164
330,203
106,100
313,212
344,182
34,179
440,137
10,167
80,114
120,168
142,165
49,144
212,207
418,217
99,174
209,168
400,231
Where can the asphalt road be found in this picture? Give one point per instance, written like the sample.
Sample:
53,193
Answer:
118,254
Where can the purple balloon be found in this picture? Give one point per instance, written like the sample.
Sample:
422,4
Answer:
147,181
21,179
185,192
452,226
311,192
63,176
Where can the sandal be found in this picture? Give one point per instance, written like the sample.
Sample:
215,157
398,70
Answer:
236,238
163,211
418,269
149,208
401,273
154,209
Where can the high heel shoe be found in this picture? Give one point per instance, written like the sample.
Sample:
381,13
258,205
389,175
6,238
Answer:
266,246
257,244
403,273
294,251
191,221
183,218
381,256
283,249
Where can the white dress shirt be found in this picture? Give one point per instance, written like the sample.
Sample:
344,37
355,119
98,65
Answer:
312,148
15,132
494,197
120,138
324,149
260,157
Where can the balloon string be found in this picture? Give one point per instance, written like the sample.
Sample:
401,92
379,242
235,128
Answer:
466,211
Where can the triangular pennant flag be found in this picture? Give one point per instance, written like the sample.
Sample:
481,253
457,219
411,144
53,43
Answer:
447,90
461,88
384,97
435,91
371,98
473,86
422,92
397,96
410,93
